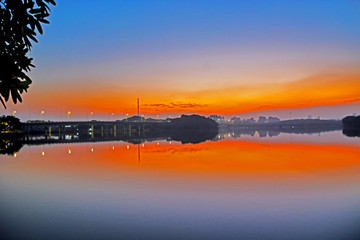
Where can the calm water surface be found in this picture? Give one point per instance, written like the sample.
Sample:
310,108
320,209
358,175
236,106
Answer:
282,187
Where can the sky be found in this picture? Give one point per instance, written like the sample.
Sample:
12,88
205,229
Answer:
234,58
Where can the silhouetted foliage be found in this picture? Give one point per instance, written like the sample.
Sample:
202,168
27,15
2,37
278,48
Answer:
19,20
351,122
192,129
193,122
9,124
351,126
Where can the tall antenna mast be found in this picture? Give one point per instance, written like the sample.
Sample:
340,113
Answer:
138,106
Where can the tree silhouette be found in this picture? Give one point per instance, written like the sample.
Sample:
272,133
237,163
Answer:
19,20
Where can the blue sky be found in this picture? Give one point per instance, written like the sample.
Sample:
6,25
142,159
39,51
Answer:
170,46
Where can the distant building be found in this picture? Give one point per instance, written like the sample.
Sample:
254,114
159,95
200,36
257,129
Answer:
262,120
249,121
273,120
235,120
217,118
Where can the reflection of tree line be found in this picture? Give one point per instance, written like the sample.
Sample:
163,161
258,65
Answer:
351,126
297,126
10,145
236,133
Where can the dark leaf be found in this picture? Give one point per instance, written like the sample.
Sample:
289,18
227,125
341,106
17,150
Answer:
44,21
2,101
24,84
33,38
6,94
14,95
39,28
51,1
35,10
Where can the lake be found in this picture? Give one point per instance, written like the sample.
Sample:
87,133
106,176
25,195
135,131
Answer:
288,186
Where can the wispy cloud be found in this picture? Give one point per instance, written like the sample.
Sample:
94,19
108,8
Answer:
175,105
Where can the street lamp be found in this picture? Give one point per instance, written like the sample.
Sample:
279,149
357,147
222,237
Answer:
127,116
14,113
68,114
41,113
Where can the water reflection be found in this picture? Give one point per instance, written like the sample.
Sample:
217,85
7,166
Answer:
230,188
351,132
13,144
238,185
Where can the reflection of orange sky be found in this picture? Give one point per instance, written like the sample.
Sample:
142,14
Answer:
227,158
318,90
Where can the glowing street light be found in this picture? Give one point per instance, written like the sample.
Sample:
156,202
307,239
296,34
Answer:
68,115
127,116
14,112
42,113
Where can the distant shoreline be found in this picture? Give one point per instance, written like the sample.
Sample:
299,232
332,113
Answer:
290,126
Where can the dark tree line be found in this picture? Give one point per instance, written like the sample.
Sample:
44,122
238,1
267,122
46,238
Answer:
351,126
20,20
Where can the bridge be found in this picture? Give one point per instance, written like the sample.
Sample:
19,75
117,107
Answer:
124,128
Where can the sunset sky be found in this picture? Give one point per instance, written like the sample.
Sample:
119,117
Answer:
243,58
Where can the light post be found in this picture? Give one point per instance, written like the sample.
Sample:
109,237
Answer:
90,116
14,112
68,115
41,114
127,116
